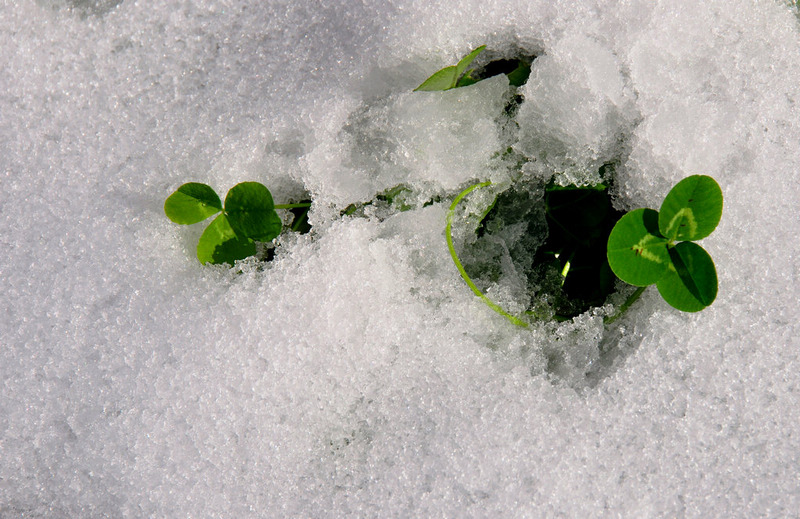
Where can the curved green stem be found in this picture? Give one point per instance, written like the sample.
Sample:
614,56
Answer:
449,234
627,304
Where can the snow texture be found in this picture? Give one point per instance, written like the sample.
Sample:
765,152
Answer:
357,375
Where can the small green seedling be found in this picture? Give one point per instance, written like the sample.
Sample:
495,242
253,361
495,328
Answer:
647,247
247,217
453,76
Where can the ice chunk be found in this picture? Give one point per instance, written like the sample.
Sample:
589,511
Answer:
434,141
578,109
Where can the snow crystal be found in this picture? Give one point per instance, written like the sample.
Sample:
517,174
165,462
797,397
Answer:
356,374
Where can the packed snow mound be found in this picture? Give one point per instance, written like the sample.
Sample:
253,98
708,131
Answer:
356,374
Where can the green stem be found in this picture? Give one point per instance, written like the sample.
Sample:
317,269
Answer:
449,235
292,206
298,221
622,309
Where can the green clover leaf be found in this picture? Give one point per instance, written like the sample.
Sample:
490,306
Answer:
690,283
691,210
637,253
221,244
191,203
251,211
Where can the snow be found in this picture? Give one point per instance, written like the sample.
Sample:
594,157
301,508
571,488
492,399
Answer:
357,375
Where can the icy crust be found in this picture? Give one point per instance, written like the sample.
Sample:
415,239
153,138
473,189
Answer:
434,142
356,375
578,111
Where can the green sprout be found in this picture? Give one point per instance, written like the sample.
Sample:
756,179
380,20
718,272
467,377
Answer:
647,247
247,217
517,70
453,76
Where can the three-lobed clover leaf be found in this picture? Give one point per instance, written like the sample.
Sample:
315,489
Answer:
248,216
453,76
642,248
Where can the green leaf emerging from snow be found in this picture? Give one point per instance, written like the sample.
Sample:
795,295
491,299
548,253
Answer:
448,77
519,76
220,243
251,211
444,79
191,203
690,284
467,60
637,253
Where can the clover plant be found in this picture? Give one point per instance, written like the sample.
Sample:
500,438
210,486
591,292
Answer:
644,247
570,268
657,247
248,216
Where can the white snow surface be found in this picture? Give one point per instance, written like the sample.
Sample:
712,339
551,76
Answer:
357,375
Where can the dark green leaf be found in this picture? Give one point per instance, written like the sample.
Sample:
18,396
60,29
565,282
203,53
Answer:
519,76
692,209
220,243
191,203
690,283
251,211
637,253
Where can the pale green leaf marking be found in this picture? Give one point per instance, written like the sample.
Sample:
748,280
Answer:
682,223
637,253
691,210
